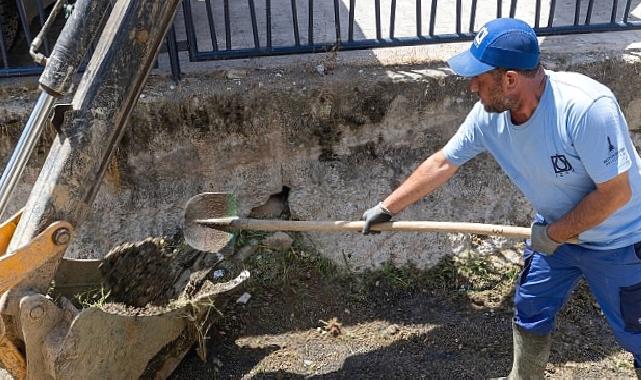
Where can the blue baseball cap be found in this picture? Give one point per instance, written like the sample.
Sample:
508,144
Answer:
505,43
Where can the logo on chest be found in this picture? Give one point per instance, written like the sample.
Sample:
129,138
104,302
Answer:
561,165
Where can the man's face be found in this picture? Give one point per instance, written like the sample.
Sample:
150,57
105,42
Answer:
489,88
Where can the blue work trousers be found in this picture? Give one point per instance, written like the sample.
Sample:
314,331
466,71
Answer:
614,277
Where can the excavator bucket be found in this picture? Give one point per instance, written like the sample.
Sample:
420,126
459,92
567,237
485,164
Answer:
145,303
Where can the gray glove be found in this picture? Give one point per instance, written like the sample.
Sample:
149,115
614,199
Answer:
376,214
541,241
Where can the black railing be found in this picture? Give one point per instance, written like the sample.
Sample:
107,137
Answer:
553,24
21,21
230,29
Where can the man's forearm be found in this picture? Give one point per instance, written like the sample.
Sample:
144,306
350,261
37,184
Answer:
430,175
595,208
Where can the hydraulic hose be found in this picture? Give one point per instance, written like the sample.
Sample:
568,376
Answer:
28,140
74,41
78,35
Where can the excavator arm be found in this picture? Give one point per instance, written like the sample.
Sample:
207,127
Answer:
36,333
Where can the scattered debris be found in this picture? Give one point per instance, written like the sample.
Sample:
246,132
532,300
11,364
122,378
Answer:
235,74
391,329
244,298
246,251
332,327
478,302
217,362
218,274
278,241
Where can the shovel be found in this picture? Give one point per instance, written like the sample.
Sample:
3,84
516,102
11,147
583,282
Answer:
210,220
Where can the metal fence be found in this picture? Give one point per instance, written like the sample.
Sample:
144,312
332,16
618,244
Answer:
230,29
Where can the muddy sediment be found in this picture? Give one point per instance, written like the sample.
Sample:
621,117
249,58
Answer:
153,276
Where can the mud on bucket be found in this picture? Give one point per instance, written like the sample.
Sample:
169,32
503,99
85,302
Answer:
155,295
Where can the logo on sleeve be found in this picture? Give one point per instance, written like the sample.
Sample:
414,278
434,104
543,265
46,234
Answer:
615,155
561,164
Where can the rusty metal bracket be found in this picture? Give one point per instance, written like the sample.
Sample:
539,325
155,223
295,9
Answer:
58,115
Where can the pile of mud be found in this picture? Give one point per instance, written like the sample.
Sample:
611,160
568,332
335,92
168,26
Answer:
154,275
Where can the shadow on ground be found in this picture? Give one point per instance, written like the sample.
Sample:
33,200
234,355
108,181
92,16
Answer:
453,321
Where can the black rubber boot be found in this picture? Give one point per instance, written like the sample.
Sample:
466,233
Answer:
531,353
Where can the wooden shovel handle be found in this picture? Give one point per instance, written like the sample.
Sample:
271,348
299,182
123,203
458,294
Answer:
346,226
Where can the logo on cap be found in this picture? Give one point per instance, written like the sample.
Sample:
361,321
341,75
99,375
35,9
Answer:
480,36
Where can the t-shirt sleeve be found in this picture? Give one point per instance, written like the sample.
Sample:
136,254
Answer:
467,142
600,140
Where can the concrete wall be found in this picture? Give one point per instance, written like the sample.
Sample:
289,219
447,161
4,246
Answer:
340,142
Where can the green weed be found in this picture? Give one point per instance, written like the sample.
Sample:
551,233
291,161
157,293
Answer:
97,298
284,268
300,265
470,273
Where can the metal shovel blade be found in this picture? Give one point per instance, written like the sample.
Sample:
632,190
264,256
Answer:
203,206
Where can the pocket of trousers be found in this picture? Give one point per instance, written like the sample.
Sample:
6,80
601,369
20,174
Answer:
630,299
528,254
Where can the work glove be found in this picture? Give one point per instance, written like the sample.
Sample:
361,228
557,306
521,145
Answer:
541,241
376,214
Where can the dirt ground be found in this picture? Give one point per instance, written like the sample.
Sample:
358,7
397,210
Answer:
306,318
309,319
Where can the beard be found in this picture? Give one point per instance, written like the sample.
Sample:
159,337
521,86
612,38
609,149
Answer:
498,102
496,107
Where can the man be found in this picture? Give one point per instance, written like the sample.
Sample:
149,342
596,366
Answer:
562,139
